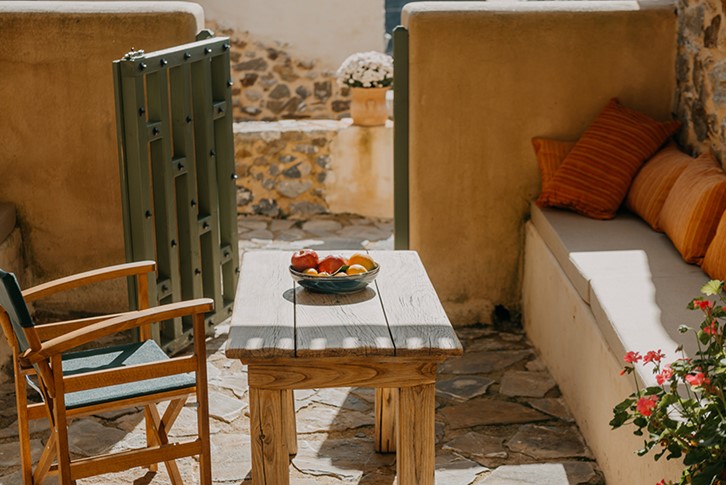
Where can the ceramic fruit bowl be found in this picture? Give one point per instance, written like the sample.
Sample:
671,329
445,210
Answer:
335,284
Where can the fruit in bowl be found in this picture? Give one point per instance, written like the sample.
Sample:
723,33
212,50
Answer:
332,274
331,264
304,259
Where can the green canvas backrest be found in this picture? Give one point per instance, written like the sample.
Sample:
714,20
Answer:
12,301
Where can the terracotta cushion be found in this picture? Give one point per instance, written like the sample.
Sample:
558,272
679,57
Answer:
694,207
550,154
714,263
654,181
595,176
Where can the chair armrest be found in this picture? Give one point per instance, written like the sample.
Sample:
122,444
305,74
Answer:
120,323
88,277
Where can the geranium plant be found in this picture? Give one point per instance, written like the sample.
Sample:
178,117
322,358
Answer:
684,416
366,70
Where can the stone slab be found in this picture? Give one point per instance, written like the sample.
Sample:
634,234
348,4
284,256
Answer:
526,384
318,418
549,442
483,412
483,362
454,469
88,437
464,387
484,449
554,407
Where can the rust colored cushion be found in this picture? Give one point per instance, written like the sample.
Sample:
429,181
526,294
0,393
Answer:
693,209
595,176
550,154
714,263
654,181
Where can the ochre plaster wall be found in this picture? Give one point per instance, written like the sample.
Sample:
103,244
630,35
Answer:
484,79
59,161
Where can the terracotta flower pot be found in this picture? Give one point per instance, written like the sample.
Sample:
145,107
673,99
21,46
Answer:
368,106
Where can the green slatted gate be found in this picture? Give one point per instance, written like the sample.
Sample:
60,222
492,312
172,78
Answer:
176,155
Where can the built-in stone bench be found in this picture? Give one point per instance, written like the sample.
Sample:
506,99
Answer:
295,168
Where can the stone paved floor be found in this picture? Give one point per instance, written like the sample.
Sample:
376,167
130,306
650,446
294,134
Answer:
500,418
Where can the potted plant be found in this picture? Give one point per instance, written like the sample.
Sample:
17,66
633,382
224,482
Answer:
684,416
369,75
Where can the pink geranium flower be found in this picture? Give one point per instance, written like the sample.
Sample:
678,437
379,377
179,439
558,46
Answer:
646,404
664,375
711,329
697,379
704,305
632,357
653,356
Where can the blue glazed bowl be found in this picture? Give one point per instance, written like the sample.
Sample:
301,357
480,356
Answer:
335,284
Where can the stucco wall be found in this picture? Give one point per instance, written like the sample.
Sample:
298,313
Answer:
484,79
59,159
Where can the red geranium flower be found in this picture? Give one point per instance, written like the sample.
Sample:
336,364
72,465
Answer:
697,379
646,404
632,357
653,356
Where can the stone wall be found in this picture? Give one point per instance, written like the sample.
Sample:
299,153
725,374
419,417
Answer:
297,168
701,76
272,84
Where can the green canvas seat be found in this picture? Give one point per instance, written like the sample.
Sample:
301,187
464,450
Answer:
120,356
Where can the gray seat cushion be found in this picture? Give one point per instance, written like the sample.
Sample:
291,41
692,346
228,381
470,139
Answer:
7,220
632,277
120,356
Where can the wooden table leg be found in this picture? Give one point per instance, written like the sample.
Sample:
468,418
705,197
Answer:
385,427
270,459
288,414
416,436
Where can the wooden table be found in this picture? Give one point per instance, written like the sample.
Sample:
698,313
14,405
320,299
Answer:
391,336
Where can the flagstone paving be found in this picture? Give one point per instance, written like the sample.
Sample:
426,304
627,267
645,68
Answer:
500,418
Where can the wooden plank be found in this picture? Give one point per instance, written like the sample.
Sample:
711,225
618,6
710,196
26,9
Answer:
270,458
417,321
290,425
263,324
331,372
340,325
385,426
416,436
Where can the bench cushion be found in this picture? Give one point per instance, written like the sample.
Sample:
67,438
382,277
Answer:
635,281
7,220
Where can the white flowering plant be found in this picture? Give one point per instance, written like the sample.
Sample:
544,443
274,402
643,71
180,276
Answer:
366,70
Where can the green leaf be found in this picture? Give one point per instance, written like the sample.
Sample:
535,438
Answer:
696,455
713,287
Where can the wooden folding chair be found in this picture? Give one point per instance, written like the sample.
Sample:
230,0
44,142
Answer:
84,382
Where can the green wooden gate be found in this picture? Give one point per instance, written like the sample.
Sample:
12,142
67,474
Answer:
176,155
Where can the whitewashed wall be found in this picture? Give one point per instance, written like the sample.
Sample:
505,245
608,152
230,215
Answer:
324,30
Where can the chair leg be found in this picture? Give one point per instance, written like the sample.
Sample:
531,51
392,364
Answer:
159,427
46,459
21,401
150,435
200,350
61,424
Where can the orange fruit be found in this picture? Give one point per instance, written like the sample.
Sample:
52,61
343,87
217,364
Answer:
324,274
340,274
311,271
362,260
356,269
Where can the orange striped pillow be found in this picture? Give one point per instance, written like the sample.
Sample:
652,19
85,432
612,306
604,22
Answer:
714,263
654,182
550,154
694,207
595,176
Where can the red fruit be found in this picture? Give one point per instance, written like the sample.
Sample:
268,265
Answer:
304,259
330,264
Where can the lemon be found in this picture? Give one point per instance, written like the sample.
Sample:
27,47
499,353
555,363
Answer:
362,260
311,271
340,274
356,269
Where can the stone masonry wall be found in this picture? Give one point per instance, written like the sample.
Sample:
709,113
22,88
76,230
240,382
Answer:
701,76
271,84
282,166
